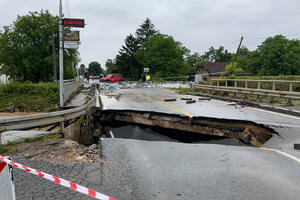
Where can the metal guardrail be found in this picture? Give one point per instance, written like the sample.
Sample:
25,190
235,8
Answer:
246,81
272,93
30,121
256,91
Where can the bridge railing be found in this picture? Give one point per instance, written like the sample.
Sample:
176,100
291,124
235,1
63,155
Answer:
274,88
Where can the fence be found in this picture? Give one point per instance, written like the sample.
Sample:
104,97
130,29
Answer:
273,88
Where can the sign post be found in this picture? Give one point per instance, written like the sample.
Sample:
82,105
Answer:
61,63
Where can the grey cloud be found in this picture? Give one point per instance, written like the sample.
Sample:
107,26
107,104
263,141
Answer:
198,24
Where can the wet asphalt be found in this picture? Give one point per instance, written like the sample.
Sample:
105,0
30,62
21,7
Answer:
137,169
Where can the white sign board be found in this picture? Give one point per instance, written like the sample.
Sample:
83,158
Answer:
71,44
7,187
146,69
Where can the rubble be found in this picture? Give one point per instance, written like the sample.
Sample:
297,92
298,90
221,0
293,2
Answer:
60,151
130,85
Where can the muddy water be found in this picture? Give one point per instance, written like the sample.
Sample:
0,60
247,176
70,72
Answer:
158,134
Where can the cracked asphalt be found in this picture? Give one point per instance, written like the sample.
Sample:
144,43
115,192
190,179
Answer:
31,187
134,169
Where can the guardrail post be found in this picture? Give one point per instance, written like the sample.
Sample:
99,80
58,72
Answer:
246,84
235,83
291,87
218,83
226,83
258,85
274,86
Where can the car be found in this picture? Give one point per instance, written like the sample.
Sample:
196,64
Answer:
112,78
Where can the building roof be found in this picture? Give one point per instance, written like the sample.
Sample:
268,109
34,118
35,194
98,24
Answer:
214,67
217,68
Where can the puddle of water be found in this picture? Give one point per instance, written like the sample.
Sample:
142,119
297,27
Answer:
159,134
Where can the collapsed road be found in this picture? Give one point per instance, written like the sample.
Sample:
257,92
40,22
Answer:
246,131
137,169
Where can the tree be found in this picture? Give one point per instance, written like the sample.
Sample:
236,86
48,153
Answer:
95,69
276,56
146,30
125,61
193,61
82,69
217,55
163,55
25,48
111,67
233,70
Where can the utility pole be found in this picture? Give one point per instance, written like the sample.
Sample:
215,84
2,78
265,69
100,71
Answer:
54,58
61,58
61,63
238,49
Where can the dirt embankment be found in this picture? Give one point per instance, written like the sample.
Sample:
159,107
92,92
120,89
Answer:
59,151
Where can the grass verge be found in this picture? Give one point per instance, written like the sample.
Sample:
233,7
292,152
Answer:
28,97
14,146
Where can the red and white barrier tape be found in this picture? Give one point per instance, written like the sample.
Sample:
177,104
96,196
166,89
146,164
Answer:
60,181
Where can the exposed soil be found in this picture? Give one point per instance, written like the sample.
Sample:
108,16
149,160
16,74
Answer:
59,151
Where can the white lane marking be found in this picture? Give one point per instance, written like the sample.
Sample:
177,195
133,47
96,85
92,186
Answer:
283,153
285,115
111,134
262,110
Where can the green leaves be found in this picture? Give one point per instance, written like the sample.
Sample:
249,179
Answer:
95,69
26,48
162,55
276,56
217,55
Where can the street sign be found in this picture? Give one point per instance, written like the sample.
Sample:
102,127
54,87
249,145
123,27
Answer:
71,35
79,23
71,44
146,69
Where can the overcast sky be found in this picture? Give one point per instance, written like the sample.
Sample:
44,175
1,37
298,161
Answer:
198,24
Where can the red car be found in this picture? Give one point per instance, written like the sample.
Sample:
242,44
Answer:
111,78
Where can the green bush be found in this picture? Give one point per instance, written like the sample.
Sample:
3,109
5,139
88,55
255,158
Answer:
26,96
44,89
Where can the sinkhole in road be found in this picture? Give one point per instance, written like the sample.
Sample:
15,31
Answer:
154,133
146,125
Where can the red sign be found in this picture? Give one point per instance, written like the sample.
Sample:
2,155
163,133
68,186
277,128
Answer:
2,165
73,22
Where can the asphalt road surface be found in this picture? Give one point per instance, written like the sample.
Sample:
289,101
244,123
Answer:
137,169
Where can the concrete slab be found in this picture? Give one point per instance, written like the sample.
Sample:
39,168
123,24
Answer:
78,100
18,136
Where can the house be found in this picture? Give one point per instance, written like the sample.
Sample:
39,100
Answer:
213,70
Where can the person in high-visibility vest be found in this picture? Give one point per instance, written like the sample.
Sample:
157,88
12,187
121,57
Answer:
148,77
